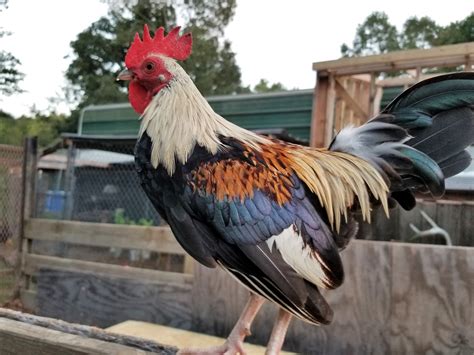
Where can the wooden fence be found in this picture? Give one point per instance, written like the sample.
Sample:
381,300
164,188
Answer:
398,298
100,292
454,216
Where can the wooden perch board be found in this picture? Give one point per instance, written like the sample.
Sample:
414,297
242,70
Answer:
26,334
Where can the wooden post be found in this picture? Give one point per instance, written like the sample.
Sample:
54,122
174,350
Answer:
330,108
372,92
318,120
28,203
469,62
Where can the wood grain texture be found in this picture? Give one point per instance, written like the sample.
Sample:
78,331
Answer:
449,55
433,300
23,333
34,262
397,298
362,307
454,216
103,301
159,239
467,223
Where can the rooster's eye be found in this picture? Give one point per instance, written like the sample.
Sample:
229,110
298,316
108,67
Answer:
149,66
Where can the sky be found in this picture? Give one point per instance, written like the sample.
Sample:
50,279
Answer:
277,40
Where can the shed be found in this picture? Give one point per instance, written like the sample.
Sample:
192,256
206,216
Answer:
289,110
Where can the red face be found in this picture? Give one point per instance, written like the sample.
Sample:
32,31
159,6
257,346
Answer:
146,70
146,80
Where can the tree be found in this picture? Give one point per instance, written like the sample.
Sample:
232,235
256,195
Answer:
10,76
457,32
46,127
419,33
263,86
99,51
376,35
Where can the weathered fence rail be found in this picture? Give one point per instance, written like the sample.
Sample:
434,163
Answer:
397,297
103,293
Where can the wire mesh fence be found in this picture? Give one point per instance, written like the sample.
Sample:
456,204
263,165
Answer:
11,162
93,180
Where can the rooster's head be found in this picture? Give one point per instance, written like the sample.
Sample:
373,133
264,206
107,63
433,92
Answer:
150,63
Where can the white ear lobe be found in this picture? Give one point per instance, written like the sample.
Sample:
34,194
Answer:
161,78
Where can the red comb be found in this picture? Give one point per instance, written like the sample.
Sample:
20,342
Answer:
173,45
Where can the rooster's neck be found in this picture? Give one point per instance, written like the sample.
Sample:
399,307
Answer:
179,117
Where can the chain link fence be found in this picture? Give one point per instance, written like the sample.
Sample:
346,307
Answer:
11,163
93,180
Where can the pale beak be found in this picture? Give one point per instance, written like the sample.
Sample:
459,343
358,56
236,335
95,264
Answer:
125,75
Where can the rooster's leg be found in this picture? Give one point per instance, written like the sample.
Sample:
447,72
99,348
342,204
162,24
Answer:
278,333
235,341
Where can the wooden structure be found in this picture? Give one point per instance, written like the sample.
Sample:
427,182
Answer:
397,298
67,286
185,339
390,289
26,334
346,89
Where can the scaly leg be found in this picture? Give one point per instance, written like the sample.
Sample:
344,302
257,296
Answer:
235,341
278,333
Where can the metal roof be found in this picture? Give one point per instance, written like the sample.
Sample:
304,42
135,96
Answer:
289,110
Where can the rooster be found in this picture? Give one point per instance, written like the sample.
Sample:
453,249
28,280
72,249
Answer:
275,215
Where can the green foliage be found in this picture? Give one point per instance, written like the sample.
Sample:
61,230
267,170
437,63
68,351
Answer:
264,86
10,76
457,32
46,127
120,218
99,51
377,35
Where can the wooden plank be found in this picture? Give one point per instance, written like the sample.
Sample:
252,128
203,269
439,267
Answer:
407,59
330,111
318,116
353,104
178,337
100,300
159,239
188,267
22,333
433,300
361,305
448,215
467,224
19,338
28,300
34,262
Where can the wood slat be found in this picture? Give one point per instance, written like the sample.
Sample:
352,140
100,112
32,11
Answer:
23,333
19,338
159,239
407,59
354,105
432,309
34,262
28,299
102,300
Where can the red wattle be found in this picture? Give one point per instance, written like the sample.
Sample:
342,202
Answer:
138,96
